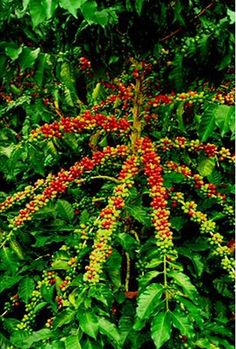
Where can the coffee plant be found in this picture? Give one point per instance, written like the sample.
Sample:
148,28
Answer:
117,172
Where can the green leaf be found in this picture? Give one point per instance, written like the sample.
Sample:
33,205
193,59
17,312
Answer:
176,75
223,288
51,6
65,210
89,10
88,323
101,17
204,45
84,216
177,222
26,288
72,342
139,213
38,12
36,159
195,258
39,307
206,167
18,337
72,5
37,336
178,13
47,293
65,317
4,343
147,277
91,344
102,294
207,124
68,78
127,241
8,259
148,300
109,329
28,57
113,268
125,327
179,114
139,6
182,323
161,329
96,92
224,118
194,310
203,343
13,52
8,151
184,281
9,281
170,178
231,15
60,264
215,177
39,73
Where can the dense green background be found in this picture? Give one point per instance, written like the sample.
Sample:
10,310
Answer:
191,47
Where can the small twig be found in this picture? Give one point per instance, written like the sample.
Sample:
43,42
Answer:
4,313
165,284
40,257
204,10
98,199
56,110
179,30
108,178
127,272
135,234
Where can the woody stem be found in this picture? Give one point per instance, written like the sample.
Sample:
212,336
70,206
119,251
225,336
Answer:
138,99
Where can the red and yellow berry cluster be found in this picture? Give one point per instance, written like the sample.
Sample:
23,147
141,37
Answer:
107,223
153,170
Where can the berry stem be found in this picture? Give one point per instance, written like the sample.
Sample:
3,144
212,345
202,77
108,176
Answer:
138,98
165,283
127,272
107,177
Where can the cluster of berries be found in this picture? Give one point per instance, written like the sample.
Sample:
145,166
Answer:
85,64
209,149
24,194
121,94
189,97
139,70
29,317
153,170
12,304
225,98
61,182
209,227
107,223
49,279
208,190
87,121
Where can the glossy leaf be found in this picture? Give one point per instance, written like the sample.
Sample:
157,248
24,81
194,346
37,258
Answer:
148,300
184,281
183,323
88,323
72,342
161,329
109,329
25,289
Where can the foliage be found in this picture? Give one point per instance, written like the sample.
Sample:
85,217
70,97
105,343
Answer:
117,200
